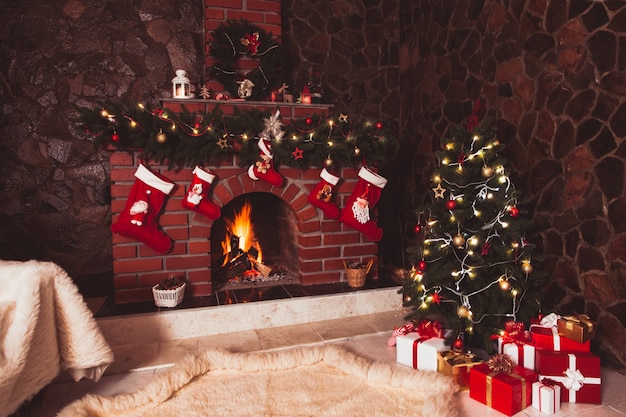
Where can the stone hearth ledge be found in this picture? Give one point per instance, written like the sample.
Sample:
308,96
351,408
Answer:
206,321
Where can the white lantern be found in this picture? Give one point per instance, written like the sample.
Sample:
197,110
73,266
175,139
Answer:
181,87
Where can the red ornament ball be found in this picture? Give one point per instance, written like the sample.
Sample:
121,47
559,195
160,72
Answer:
514,212
450,204
421,265
458,344
308,121
379,125
115,137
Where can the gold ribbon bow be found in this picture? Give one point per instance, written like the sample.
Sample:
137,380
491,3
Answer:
579,319
500,363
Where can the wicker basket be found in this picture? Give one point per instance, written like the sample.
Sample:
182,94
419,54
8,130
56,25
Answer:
356,276
168,298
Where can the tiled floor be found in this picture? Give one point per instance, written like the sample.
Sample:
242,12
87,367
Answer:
364,335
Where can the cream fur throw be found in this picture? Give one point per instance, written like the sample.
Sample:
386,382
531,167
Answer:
320,381
45,328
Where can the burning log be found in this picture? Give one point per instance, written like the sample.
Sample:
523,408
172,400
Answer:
234,268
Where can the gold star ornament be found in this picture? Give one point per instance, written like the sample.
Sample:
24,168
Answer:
439,191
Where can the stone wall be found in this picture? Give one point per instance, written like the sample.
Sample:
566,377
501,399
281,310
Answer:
552,74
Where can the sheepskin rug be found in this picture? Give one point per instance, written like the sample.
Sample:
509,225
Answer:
304,381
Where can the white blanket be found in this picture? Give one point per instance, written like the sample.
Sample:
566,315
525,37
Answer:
45,328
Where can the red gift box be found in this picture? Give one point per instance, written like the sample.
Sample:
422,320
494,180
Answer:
508,393
577,373
549,338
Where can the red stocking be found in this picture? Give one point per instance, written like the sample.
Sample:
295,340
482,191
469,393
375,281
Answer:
366,193
138,220
264,169
196,198
322,194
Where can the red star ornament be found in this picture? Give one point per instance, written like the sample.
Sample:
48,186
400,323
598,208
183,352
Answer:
298,153
485,249
436,298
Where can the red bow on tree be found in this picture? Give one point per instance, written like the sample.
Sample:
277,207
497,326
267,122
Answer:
472,121
251,41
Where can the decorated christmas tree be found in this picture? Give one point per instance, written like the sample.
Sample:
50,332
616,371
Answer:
473,268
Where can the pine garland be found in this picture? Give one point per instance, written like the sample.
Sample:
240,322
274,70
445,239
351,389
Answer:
233,41
188,139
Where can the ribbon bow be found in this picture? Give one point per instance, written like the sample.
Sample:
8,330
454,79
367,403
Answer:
472,121
574,379
548,382
455,358
252,42
550,320
500,363
515,332
428,328
580,318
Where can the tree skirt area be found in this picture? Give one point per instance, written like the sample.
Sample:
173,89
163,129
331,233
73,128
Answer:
303,381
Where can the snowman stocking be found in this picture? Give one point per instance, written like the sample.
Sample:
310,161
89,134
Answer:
196,198
366,193
264,169
322,194
138,220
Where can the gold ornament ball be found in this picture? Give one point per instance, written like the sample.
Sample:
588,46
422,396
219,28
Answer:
487,171
161,137
357,151
527,267
458,241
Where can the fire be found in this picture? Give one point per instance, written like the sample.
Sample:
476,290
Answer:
241,226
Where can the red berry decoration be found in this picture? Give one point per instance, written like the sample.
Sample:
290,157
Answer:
308,121
450,204
115,137
514,211
421,265
379,125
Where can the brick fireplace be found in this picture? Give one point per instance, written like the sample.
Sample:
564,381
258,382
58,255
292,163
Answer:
322,245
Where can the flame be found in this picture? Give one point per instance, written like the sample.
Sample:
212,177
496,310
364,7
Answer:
241,226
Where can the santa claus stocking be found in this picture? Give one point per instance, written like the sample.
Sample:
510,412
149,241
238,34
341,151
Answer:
322,194
366,193
138,220
196,198
264,169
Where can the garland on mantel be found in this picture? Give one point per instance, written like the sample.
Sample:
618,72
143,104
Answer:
188,139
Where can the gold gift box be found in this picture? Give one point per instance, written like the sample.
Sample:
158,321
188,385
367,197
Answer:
457,365
579,328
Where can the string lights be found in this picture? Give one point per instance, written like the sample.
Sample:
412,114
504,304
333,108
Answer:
187,139
469,244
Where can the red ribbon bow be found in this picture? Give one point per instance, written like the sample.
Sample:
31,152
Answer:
251,42
515,332
428,328
548,382
472,121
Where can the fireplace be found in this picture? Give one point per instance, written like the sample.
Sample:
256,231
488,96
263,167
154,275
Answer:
254,242
312,248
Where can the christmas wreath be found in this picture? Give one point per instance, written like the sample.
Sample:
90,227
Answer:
234,40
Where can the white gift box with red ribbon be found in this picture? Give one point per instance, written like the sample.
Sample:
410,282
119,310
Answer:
419,352
546,396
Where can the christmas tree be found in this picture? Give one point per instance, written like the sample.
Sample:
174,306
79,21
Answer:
473,268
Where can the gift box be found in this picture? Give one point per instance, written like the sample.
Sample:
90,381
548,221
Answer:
546,335
507,392
579,328
419,352
547,396
457,365
577,373
549,338
521,353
